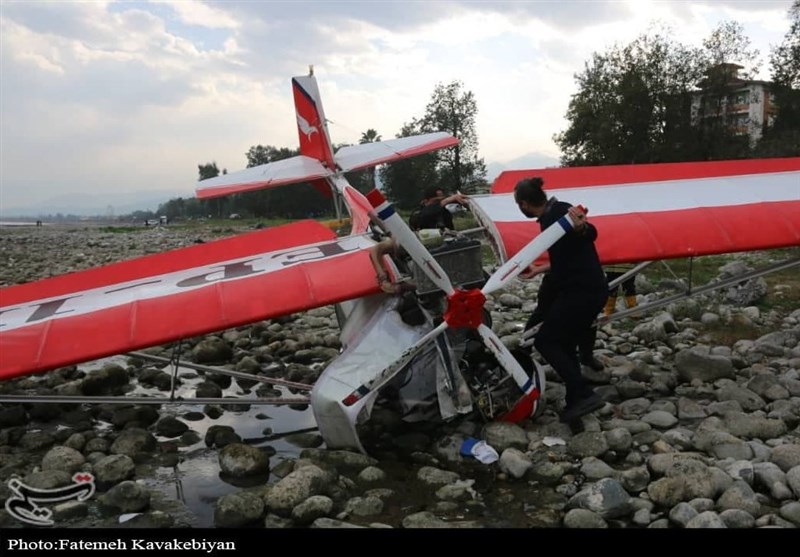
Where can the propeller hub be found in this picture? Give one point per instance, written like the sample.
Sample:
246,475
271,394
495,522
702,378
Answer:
465,308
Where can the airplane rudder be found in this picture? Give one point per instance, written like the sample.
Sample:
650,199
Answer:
311,128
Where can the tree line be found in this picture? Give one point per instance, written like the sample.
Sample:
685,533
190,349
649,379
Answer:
451,109
657,100
651,100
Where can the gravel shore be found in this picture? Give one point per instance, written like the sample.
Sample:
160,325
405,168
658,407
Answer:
695,433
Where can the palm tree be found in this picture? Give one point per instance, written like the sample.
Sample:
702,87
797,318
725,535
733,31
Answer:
370,136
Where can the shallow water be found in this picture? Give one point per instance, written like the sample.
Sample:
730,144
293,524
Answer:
195,480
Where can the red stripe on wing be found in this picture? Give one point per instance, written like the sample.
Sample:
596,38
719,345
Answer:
634,237
243,245
576,176
218,305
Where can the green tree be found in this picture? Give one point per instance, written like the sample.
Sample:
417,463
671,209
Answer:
406,179
782,136
208,206
632,103
729,60
291,201
641,103
727,44
453,109
364,180
208,170
369,136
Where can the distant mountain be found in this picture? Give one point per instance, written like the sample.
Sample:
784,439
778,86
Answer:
89,205
531,160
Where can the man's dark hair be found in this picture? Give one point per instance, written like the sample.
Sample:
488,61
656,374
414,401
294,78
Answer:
430,193
530,190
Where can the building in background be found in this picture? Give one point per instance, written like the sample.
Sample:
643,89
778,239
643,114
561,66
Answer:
746,105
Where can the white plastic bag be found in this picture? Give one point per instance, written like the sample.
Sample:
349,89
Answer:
482,451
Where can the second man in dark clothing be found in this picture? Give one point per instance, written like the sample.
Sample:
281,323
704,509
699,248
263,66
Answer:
433,212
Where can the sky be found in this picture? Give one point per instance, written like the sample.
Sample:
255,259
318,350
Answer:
101,100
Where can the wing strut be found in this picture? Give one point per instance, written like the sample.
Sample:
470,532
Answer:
691,291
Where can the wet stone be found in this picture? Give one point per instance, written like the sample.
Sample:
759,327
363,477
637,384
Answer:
190,438
363,506
44,412
69,510
48,479
36,440
133,441
144,415
208,389
316,506
75,441
170,426
583,518
63,458
371,474
786,456
275,521
660,419
682,513
127,496
791,512
737,518
98,444
240,460
220,436
113,469
238,509
305,440
708,519
193,416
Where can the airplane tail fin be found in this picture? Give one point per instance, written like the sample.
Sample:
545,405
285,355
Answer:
312,127
316,163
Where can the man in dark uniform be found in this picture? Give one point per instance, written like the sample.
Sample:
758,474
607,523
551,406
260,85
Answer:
580,291
544,299
433,212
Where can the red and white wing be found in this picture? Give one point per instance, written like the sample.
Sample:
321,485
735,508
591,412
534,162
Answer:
278,173
364,155
662,211
191,291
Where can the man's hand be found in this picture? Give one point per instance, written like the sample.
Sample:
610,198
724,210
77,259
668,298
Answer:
578,216
459,198
533,270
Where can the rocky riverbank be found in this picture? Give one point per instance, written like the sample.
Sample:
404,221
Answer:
700,426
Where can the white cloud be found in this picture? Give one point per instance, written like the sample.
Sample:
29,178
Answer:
194,12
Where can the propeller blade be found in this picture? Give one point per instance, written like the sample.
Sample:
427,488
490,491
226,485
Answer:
524,407
384,376
505,359
405,237
527,255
